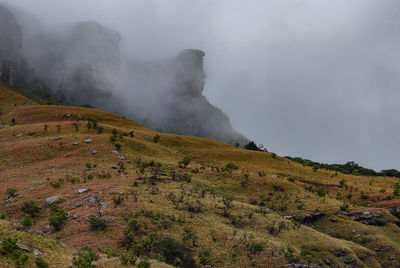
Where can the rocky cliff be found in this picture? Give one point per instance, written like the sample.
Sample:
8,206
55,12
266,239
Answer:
14,70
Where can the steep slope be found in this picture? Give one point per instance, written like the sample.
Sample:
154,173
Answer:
226,207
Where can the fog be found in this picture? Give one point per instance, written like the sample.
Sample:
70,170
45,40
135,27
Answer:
317,79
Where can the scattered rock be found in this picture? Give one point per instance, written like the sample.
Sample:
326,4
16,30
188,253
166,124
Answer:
94,152
80,191
19,135
75,143
121,193
80,117
333,220
307,218
39,232
78,204
115,152
122,157
88,141
369,218
74,216
57,138
51,200
36,252
103,204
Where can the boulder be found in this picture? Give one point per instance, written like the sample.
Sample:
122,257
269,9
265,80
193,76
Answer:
51,200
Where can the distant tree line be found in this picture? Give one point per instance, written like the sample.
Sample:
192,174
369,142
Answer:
348,168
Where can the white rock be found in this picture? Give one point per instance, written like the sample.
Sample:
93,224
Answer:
51,200
80,191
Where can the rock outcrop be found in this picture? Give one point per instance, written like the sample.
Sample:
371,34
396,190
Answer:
14,69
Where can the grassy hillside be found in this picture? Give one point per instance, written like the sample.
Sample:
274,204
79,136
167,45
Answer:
182,200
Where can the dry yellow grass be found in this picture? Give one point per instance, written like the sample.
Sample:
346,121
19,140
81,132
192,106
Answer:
274,187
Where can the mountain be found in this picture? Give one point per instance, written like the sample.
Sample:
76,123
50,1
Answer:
83,65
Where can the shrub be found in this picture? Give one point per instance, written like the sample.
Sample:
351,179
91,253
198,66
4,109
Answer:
291,179
57,184
85,258
100,130
30,208
145,263
97,223
396,189
184,163
156,138
9,245
172,250
344,207
27,221
277,187
117,146
58,218
111,252
290,255
231,167
20,259
40,263
256,247
251,146
2,215
11,191
127,259
322,191
118,200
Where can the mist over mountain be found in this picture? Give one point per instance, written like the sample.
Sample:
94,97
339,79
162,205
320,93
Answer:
82,65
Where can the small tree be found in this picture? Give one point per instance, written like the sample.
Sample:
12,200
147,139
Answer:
117,146
184,163
156,138
58,128
251,146
45,127
97,223
30,208
59,218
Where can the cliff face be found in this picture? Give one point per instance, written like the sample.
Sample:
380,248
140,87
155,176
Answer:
14,69
177,105
83,65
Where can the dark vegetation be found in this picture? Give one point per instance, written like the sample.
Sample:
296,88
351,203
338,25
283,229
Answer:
348,168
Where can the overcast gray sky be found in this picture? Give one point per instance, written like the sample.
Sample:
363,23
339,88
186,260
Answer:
313,78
